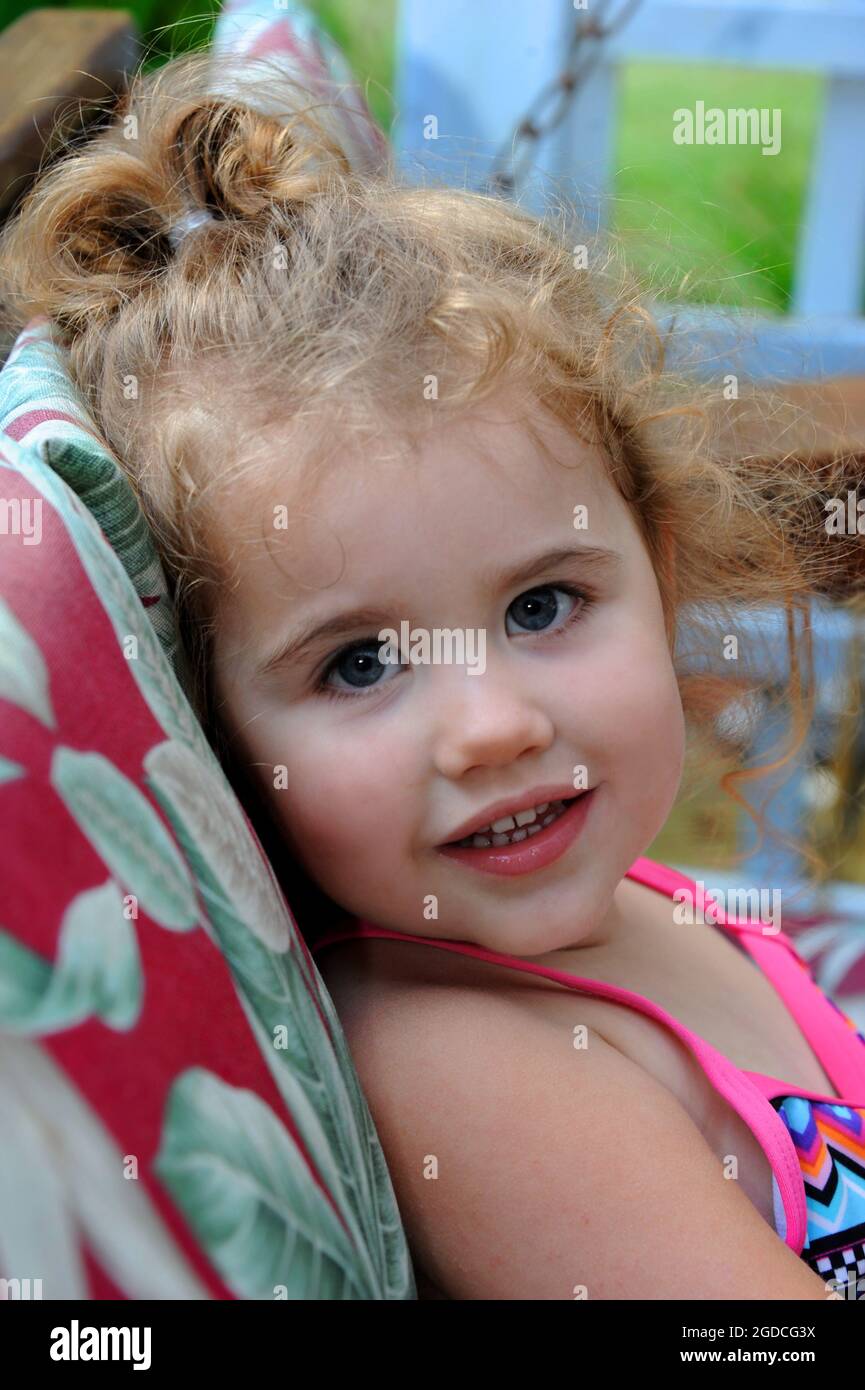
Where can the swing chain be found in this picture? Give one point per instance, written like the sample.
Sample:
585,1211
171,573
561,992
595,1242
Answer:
513,159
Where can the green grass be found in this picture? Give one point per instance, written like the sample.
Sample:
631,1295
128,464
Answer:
727,213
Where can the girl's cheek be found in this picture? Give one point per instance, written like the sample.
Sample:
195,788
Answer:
333,796
638,708
624,689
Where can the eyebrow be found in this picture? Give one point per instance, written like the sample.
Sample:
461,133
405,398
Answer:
342,625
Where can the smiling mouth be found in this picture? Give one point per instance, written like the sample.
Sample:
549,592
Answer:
486,839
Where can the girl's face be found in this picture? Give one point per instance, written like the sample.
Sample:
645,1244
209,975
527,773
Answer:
372,767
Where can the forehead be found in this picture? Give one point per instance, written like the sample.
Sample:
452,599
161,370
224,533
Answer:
484,486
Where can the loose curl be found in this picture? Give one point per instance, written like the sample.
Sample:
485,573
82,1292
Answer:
320,292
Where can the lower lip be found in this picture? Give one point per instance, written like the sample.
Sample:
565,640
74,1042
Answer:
533,853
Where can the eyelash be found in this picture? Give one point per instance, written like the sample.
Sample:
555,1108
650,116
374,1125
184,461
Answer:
588,597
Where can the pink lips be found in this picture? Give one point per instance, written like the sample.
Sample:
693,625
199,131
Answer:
533,853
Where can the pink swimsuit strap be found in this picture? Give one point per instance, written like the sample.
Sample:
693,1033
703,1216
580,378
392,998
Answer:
836,1047
823,1025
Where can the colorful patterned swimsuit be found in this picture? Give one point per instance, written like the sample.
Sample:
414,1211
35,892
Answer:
815,1144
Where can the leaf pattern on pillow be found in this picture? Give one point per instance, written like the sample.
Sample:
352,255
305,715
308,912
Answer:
23,672
96,972
230,1166
128,836
202,806
62,1185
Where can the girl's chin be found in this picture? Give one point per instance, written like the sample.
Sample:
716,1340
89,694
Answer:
531,946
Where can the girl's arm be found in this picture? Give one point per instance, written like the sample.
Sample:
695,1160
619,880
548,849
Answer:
556,1168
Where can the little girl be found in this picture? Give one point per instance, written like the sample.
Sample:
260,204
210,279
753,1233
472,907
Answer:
365,408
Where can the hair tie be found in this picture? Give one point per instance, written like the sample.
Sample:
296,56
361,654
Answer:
187,223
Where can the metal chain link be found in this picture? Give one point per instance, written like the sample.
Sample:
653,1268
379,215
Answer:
513,160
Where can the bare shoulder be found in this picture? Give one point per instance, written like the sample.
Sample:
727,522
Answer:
526,1167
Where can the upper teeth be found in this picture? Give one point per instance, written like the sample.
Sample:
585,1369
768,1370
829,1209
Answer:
520,818
511,829
498,827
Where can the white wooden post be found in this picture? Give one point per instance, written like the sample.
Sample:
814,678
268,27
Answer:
830,267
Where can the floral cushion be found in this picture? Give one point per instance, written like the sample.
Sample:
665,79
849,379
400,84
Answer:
181,1115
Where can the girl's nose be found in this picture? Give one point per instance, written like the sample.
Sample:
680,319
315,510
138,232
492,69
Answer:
485,720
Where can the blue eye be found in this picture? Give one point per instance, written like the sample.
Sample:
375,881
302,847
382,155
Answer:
360,667
539,608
